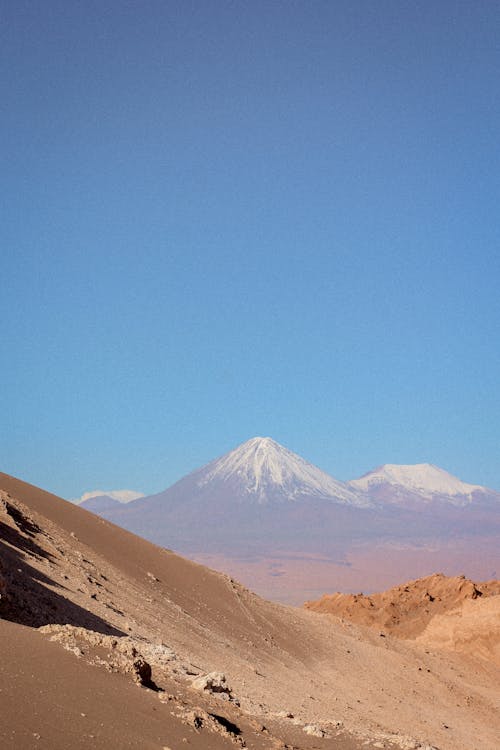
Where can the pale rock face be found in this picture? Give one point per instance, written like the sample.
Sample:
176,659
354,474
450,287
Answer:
214,682
262,467
423,479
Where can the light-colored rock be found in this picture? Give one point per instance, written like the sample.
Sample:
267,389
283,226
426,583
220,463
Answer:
402,742
214,682
408,743
314,730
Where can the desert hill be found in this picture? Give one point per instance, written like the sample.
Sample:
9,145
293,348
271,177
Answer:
109,641
440,611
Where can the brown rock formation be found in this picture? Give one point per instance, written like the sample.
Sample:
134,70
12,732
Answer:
406,610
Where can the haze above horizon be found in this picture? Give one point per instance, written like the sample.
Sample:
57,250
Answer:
234,220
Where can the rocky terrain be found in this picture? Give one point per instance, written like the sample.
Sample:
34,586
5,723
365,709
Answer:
451,613
406,611
110,641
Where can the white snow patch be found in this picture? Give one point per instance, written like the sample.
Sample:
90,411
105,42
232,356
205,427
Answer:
123,496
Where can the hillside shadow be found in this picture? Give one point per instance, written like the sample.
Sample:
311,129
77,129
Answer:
26,599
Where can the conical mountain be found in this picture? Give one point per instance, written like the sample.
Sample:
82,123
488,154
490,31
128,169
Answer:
262,471
258,496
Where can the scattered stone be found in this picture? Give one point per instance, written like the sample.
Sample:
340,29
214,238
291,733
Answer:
200,719
193,718
401,741
126,654
215,683
223,724
336,724
159,653
166,697
314,730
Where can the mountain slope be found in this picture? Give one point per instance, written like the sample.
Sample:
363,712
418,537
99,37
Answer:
100,503
71,580
417,482
472,628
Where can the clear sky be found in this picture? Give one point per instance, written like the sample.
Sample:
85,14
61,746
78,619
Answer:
227,219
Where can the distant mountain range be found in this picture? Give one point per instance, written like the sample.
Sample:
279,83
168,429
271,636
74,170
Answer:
262,502
424,482
261,471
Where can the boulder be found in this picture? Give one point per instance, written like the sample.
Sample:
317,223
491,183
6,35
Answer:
141,672
314,730
213,682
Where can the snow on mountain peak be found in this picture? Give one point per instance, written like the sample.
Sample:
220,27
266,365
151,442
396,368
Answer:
425,479
122,496
263,467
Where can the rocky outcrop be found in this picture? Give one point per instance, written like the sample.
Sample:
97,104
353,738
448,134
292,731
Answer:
214,682
141,672
126,654
405,611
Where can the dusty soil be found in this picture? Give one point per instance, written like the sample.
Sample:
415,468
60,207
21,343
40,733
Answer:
472,628
87,608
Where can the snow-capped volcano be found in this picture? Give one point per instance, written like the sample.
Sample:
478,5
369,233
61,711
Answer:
271,512
266,470
425,480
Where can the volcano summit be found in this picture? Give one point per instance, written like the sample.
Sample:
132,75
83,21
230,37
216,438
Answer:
262,471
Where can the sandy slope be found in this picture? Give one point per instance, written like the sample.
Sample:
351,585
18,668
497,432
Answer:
123,597
472,628
50,699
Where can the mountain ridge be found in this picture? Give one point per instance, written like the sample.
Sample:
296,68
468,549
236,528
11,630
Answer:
426,480
261,470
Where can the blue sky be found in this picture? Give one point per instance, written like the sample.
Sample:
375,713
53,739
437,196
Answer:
229,219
